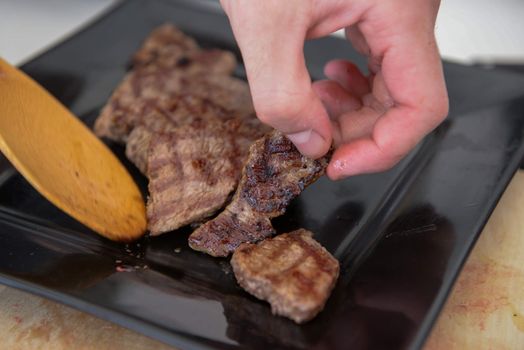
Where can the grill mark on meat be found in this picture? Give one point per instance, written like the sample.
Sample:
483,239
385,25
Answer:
134,82
274,174
192,171
160,162
166,183
164,45
308,251
229,231
137,146
192,104
292,271
176,87
158,77
167,47
174,102
169,209
185,110
183,61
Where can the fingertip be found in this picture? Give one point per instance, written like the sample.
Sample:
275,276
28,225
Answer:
338,66
348,75
335,98
339,168
358,157
332,173
332,67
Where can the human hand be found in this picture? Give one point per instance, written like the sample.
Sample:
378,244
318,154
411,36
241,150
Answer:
373,121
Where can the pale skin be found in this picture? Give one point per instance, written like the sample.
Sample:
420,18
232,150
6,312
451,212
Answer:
373,121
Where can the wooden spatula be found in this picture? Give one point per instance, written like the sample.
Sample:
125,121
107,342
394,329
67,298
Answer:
64,161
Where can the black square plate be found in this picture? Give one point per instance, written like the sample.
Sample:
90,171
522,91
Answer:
401,236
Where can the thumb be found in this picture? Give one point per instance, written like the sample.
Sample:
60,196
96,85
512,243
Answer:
271,38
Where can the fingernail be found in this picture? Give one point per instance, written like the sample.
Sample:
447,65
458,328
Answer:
300,138
308,142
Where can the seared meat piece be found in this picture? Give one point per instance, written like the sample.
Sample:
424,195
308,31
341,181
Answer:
167,113
167,47
169,67
145,96
137,147
164,43
170,114
274,174
193,170
292,271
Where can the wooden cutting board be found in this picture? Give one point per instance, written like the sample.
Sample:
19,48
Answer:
485,309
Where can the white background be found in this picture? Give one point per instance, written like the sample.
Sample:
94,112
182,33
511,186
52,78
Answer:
467,30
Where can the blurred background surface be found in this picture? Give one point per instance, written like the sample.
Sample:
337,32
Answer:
468,31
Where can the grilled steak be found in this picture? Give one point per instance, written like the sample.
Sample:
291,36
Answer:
180,113
168,93
193,170
292,271
170,114
274,174
169,69
167,48
164,43
137,147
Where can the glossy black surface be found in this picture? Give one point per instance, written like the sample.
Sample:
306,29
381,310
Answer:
401,236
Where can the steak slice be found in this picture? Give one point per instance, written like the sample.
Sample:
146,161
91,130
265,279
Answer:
274,174
146,95
167,47
177,112
292,271
193,170
137,147
164,43
170,65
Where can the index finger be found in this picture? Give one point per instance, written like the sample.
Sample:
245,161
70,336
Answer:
271,38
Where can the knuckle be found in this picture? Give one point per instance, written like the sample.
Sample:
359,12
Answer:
277,106
432,111
438,102
389,160
443,107
438,110
390,152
